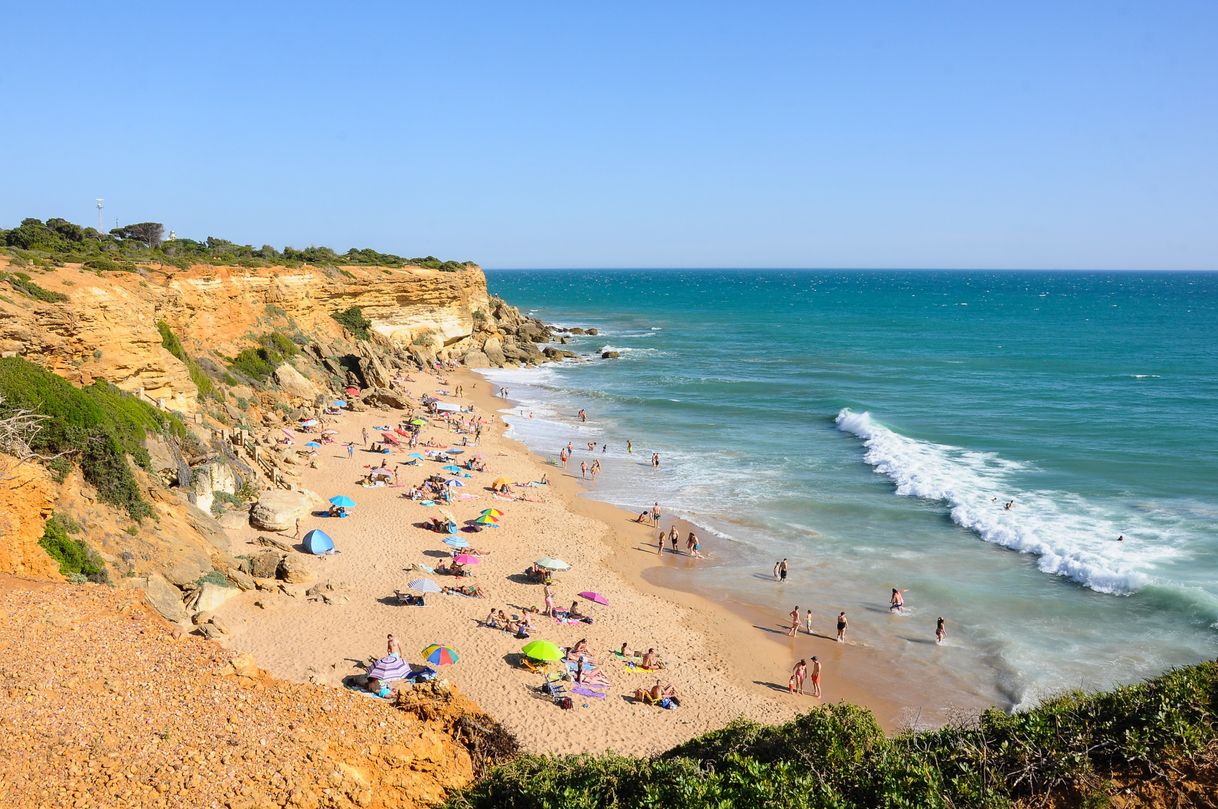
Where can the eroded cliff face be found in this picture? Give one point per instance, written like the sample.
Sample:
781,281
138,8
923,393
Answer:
107,327
27,497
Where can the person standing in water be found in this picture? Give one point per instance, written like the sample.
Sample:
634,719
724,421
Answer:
660,545
583,470
842,623
782,571
794,621
816,669
808,625
655,460
629,447
897,604
940,631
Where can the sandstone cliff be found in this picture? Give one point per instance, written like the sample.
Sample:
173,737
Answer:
26,500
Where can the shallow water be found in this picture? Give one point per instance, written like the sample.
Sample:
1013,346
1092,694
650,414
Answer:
871,426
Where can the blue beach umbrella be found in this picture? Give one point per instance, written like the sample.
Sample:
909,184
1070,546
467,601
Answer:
312,444
342,501
454,482
416,456
318,542
456,542
338,403
453,469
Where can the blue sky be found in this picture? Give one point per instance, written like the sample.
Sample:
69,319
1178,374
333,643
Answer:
802,134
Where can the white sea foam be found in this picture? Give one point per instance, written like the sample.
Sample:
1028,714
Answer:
1071,536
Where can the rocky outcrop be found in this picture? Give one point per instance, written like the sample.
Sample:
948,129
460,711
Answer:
26,502
279,510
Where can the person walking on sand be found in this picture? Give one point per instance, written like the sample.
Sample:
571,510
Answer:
364,434
562,456
842,623
350,450
797,677
897,604
794,621
782,571
393,647
655,513
940,631
660,545
549,596
808,623
673,538
816,669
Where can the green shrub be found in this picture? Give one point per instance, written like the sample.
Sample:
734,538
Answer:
77,561
103,264
353,320
258,363
1064,752
23,284
213,577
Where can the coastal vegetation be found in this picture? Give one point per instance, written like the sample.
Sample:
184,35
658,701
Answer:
99,428
26,286
353,320
58,241
1072,750
260,361
77,561
171,343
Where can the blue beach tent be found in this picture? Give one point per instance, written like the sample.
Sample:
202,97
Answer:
318,542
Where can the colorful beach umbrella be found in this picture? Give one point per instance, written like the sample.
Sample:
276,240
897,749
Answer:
487,520
466,559
389,668
381,472
550,563
342,501
312,444
493,512
542,650
500,482
595,597
438,654
423,585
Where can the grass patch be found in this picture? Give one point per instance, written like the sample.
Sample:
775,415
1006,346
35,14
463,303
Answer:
353,320
77,561
26,286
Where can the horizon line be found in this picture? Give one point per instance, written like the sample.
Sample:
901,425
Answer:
856,269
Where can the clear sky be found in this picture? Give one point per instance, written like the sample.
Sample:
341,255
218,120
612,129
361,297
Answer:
773,134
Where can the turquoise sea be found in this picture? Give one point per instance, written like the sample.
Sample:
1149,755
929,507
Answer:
871,426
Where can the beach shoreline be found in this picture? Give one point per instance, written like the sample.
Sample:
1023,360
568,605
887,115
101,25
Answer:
723,666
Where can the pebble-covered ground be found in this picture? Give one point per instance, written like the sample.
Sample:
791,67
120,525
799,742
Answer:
104,707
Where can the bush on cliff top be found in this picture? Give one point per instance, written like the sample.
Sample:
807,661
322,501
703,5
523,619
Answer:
258,363
1069,748
26,286
97,427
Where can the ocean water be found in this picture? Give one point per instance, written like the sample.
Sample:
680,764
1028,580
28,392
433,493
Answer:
871,426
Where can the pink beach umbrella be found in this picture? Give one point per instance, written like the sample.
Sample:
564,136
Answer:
595,597
467,559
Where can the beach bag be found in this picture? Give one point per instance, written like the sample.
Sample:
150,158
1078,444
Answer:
521,635
666,703
546,688
566,704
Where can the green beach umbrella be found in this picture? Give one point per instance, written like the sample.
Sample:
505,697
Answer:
542,650
550,563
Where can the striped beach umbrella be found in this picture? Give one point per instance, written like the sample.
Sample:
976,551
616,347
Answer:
389,668
423,585
487,520
493,512
438,654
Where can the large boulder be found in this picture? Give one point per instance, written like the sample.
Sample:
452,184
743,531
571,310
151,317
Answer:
493,349
293,570
264,564
476,359
294,383
610,355
384,397
165,598
279,510
210,597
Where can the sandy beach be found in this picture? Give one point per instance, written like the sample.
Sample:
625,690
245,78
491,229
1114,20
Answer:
725,659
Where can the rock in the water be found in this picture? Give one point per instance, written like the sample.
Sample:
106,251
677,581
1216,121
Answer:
264,564
293,570
576,330
592,331
610,355
165,598
278,510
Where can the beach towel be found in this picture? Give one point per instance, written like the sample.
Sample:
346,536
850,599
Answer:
587,692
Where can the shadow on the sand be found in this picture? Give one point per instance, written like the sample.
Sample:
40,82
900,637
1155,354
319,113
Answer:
437,554
772,630
772,686
763,577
